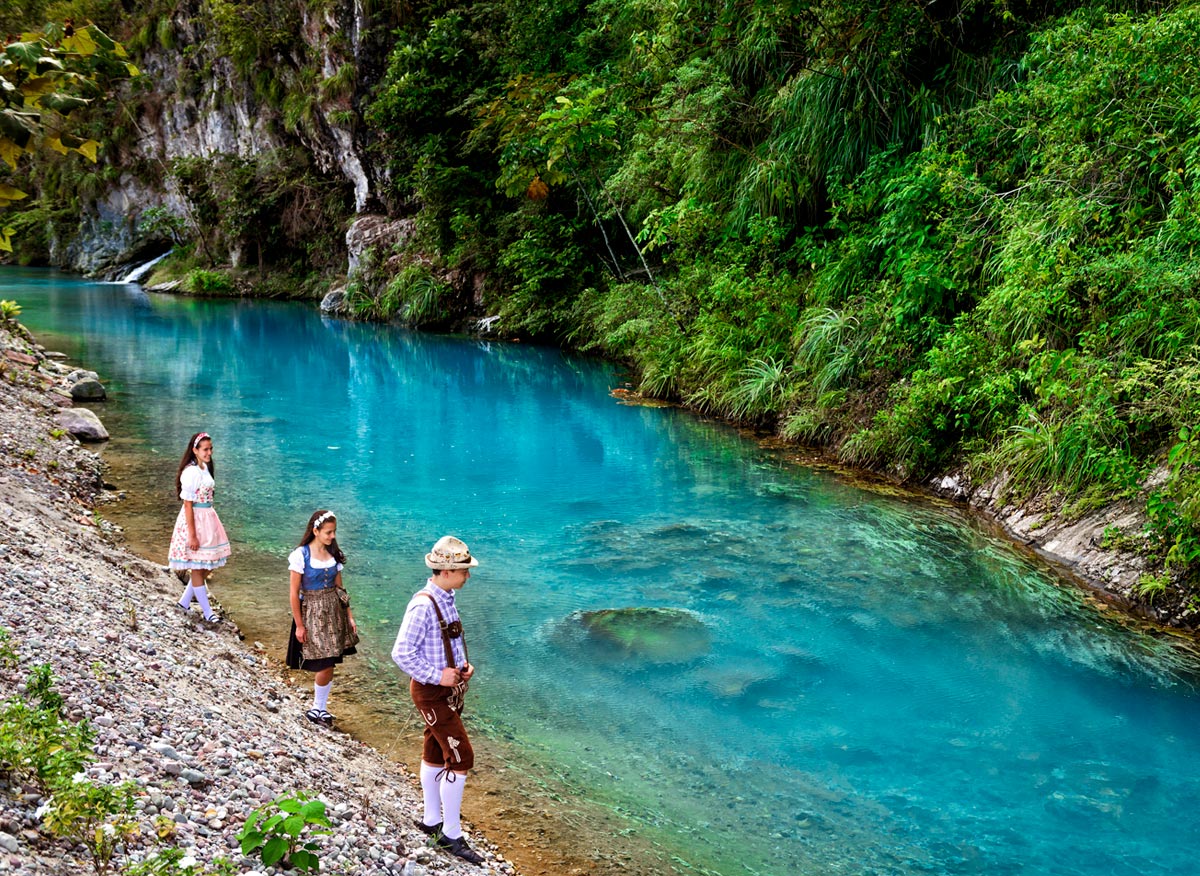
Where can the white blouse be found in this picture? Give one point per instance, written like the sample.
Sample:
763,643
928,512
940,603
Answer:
296,562
194,479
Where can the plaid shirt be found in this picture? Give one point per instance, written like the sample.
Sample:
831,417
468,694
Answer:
418,649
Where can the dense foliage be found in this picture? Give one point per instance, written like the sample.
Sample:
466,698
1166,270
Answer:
45,75
924,235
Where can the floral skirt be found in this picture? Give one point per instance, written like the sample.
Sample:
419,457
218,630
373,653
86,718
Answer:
214,543
327,631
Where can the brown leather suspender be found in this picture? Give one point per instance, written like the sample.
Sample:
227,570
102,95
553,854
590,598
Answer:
446,637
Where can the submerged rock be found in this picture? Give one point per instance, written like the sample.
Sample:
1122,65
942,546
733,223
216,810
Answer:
654,635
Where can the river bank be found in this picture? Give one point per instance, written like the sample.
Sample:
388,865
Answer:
188,713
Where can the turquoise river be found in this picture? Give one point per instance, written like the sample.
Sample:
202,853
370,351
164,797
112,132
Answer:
866,684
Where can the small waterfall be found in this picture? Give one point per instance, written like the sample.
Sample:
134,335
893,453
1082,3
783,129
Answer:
137,273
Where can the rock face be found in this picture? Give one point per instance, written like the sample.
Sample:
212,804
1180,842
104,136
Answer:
83,424
200,106
1080,546
377,234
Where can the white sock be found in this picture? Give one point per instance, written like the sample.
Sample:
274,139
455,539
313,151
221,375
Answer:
321,695
201,594
433,796
452,794
185,601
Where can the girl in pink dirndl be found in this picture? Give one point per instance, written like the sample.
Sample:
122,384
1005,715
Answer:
199,543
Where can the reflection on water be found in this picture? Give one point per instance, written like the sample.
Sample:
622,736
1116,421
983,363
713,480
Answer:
861,684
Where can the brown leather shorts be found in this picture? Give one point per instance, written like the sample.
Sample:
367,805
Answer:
446,742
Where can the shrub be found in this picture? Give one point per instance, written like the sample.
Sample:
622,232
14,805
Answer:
284,836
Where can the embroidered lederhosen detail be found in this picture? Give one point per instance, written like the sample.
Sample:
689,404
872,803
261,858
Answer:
459,693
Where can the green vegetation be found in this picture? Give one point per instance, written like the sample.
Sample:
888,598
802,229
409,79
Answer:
921,237
285,837
44,77
924,236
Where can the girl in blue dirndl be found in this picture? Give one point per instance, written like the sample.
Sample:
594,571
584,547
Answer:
323,627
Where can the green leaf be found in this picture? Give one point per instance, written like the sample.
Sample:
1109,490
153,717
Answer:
18,127
26,54
62,103
6,239
291,805
274,851
81,43
251,840
294,825
313,809
104,41
305,861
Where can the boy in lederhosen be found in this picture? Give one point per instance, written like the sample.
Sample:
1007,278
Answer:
431,648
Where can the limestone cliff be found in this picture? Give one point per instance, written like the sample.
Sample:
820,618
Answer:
198,99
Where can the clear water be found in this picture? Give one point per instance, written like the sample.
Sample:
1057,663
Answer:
878,687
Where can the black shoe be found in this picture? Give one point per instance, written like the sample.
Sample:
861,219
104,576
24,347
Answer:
458,848
314,715
431,830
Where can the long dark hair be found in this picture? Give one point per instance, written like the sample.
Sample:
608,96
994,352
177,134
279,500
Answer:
189,458
309,535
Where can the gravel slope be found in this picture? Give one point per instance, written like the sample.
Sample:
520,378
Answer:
188,713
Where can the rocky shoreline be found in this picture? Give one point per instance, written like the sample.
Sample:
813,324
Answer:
189,714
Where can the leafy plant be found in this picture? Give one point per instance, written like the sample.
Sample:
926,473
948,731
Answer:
9,310
44,77
203,282
8,653
99,817
1149,587
286,835
177,862
35,742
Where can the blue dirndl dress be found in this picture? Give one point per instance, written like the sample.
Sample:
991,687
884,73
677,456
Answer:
325,609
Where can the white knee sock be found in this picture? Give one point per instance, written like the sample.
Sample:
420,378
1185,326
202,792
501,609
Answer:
433,795
452,795
321,695
201,594
185,601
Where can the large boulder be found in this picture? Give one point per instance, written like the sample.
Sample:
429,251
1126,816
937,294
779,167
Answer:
334,301
83,424
88,389
640,634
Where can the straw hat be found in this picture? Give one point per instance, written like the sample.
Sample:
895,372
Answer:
450,553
